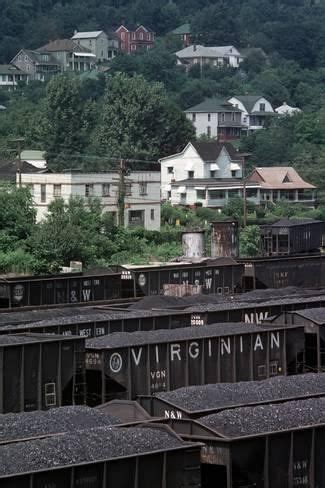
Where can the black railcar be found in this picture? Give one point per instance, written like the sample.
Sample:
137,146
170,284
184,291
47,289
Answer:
124,365
40,371
266,446
219,275
35,291
146,457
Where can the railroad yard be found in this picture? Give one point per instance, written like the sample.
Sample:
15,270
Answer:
146,381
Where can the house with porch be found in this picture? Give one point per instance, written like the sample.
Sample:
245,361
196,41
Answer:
256,111
11,76
216,118
39,66
213,56
70,55
96,41
209,159
283,183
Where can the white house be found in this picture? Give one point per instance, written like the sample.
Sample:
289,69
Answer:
96,41
211,159
142,195
213,55
216,117
255,110
286,109
211,193
11,75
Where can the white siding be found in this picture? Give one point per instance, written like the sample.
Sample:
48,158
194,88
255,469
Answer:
202,123
74,184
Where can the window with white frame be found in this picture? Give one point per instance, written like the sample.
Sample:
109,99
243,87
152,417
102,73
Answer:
141,36
89,190
170,170
43,193
152,214
143,188
57,191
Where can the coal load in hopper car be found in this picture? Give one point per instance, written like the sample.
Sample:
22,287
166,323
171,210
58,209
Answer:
124,365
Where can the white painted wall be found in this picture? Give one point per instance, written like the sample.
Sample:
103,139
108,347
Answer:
74,184
245,119
202,123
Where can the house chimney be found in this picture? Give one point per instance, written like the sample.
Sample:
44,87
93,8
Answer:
75,32
194,47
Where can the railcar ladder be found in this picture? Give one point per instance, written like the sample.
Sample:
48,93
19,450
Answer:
79,378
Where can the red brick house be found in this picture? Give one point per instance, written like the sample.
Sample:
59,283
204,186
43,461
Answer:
134,38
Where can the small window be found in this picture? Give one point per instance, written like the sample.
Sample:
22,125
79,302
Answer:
233,173
122,35
209,131
152,214
148,37
170,170
50,395
133,47
43,193
226,290
169,194
273,368
133,35
105,189
190,174
141,36
261,371
89,190
219,290
143,189
209,117
262,107
212,174
57,191
193,117
200,194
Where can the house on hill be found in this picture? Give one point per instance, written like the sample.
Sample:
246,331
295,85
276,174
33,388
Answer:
217,118
214,56
256,110
11,75
70,55
183,32
95,41
135,38
39,66
206,160
283,183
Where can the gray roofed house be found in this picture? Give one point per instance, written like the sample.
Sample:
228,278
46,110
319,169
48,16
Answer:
216,117
70,55
39,66
183,32
96,41
11,75
256,110
212,55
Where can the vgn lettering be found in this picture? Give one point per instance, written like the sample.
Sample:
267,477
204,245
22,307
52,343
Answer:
193,350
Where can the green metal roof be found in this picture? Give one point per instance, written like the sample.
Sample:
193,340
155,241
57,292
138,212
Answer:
182,29
213,105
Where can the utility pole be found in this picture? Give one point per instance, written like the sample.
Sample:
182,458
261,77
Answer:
19,141
121,192
244,156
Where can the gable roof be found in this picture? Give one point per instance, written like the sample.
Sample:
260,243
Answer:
63,45
87,35
182,29
248,100
210,150
134,27
36,57
10,69
213,104
274,178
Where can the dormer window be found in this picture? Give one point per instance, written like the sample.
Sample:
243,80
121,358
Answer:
262,107
141,36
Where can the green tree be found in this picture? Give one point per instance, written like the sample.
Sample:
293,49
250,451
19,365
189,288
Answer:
17,215
249,240
138,120
65,123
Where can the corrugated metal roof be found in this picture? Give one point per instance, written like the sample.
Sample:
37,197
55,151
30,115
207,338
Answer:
87,35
